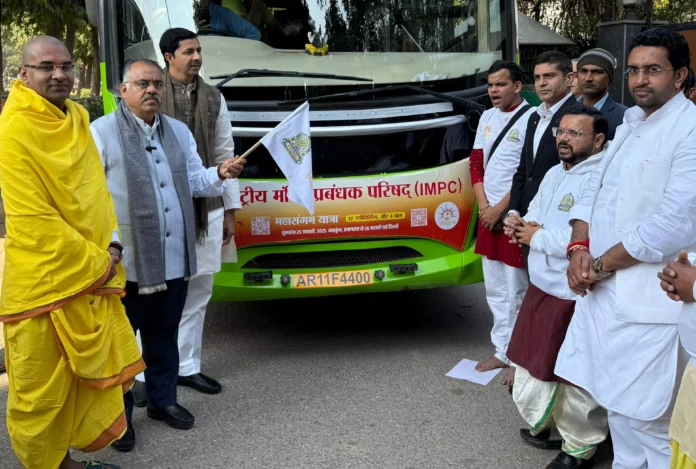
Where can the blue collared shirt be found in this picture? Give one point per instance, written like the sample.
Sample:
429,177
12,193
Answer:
599,104
226,20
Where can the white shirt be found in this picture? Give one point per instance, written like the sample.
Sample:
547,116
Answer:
687,326
546,115
622,345
647,201
501,167
547,262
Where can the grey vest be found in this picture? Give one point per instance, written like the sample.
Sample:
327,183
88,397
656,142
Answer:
185,111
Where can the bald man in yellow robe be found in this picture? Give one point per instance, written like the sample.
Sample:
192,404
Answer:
69,348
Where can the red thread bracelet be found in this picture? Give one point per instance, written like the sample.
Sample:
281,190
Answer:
577,247
585,243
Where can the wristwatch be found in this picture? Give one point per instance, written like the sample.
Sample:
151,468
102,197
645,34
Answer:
597,268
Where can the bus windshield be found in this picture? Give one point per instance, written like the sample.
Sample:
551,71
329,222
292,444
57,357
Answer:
386,41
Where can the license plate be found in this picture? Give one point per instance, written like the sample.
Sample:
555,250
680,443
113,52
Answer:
333,279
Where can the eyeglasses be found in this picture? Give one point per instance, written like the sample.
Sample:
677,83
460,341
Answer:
571,133
595,72
650,71
145,84
49,68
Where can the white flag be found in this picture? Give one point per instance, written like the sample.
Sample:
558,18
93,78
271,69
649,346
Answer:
290,146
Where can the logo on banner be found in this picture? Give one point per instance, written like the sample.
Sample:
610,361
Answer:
298,147
447,216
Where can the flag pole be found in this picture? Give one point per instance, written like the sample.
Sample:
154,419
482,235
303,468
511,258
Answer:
254,147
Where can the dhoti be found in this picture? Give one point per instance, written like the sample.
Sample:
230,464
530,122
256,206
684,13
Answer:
682,430
581,422
49,407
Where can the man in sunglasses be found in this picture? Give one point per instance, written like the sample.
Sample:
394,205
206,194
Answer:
596,69
153,171
70,350
637,212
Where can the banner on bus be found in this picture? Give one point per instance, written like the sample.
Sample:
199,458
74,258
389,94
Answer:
434,203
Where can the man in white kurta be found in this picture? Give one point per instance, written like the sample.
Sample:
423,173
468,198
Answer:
622,344
549,304
500,138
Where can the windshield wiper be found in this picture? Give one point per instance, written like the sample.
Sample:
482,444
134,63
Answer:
254,73
458,102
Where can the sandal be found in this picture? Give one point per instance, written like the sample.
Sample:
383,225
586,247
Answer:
99,465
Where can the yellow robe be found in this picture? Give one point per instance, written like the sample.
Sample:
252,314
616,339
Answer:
682,429
70,350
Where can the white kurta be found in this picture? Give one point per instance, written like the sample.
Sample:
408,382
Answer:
631,366
505,285
501,167
209,256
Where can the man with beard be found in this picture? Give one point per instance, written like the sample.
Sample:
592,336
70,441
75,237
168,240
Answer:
596,69
499,140
553,73
549,304
637,212
153,170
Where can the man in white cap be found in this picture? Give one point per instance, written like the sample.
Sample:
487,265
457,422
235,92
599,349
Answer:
596,69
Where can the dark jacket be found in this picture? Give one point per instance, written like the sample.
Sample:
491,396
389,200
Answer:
530,172
614,112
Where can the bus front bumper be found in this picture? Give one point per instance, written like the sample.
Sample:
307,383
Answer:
440,266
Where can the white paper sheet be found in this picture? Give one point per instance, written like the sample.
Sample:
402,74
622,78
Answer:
466,369
229,252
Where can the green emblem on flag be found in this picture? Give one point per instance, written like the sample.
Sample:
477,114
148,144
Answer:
567,203
298,147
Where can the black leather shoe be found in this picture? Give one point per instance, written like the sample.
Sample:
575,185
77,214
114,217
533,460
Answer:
174,415
127,443
139,392
566,461
541,441
200,382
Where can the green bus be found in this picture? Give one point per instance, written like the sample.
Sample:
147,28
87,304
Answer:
395,89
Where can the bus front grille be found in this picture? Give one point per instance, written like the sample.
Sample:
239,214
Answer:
329,259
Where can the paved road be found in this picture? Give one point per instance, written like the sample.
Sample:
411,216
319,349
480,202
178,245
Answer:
355,382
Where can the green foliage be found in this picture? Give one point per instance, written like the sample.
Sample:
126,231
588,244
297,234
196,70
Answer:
38,16
23,19
94,105
578,19
672,11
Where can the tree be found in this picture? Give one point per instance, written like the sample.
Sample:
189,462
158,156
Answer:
578,19
96,71
58,18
